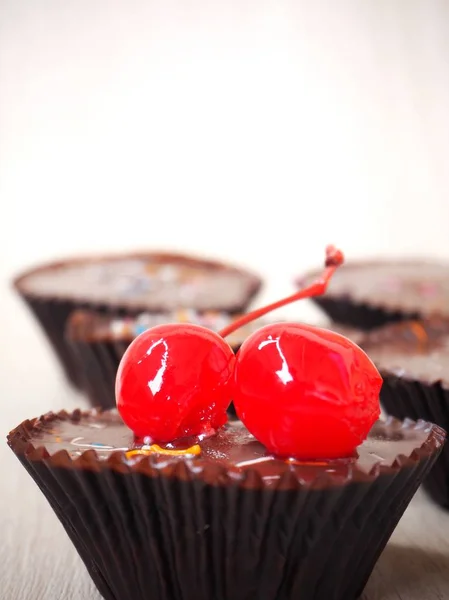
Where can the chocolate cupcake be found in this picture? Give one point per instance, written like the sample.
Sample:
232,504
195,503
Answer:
222,519
99,342
129,284
413,359
370,294
295,499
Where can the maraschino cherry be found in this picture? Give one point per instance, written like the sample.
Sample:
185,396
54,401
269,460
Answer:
172,382
303,392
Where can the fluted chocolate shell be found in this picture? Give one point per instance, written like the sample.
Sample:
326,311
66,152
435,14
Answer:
370,294
413,359
231,523
129,284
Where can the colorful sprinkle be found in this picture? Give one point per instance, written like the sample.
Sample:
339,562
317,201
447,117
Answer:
429,289
419,332
155,449
94,445
301,463
254,461
129,326
117,327
139,329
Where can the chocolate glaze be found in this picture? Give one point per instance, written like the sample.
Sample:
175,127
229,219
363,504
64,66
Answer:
151,281
412,287
95,440
411,349
92,327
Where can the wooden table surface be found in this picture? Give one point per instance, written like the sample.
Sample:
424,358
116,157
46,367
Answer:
37,560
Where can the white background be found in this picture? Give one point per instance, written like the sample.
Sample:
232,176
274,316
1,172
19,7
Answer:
249,130
257,131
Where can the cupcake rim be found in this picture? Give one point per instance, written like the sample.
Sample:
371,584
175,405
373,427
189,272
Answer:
82,322
254,281
389,307
19,440
388,333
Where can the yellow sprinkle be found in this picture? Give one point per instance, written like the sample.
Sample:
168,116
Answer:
183,316
132,453
58,439
292,461
419,332
192,450
155,449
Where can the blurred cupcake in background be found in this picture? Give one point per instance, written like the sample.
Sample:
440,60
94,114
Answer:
369,294
98,342
413,359
127,285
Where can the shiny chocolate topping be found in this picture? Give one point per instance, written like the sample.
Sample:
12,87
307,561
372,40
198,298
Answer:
150,282
233,449
413,287
416,350
91,326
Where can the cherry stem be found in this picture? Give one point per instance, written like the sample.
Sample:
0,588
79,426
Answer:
334,259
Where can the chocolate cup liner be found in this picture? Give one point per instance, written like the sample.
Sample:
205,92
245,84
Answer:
181,534
345,311
97,363
52,316
403,398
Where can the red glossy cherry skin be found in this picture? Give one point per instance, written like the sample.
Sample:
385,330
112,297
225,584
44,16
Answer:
172,382
305,392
